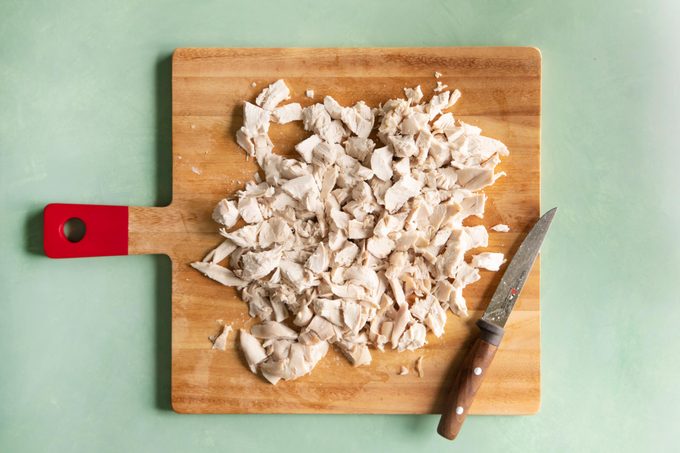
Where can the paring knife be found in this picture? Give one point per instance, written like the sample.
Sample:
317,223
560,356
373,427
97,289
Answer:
478,359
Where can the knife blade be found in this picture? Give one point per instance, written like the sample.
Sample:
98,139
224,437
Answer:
507,292
491,330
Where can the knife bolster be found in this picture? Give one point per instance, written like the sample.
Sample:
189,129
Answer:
490,332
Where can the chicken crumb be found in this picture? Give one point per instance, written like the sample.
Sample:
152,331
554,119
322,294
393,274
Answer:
403,371
220,342
419,367
309,94
253,84
196,170
437,74
440,87
501,228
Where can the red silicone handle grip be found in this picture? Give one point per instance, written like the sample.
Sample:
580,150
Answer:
106,230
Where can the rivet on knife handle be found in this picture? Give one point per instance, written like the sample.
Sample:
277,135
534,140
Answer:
469,379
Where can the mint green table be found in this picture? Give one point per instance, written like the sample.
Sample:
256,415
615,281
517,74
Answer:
85,117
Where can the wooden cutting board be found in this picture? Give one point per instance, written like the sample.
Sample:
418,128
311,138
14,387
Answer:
501,93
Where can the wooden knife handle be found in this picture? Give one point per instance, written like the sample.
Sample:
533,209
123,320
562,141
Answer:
469,379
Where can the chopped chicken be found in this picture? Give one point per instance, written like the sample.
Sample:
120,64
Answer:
322,328
353,316
301,186
403,146
403,317
457,303
419,367
273,329
252,350
329,309
359,147
436,319
333,107
289,360
488,260
274,231
220,342
249,210
219,253
358,242
402,167
413,95
255,124
225,213
380,247
287,113
440,87
413,338
359,119
243,237
421,307
346,255
501,228
219,274
444,122
381,163
303,316
277,349
306,146
319,261
256,265
316,118
477,236
475,178
357,354
273,95
402,191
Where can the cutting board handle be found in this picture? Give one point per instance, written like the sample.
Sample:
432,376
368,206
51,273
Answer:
103,230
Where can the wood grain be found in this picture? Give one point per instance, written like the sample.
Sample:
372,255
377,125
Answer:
501,94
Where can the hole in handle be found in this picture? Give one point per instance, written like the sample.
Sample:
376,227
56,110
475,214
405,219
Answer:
85,230
74,229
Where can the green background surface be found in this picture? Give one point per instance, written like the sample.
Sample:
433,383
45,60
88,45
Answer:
85,117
